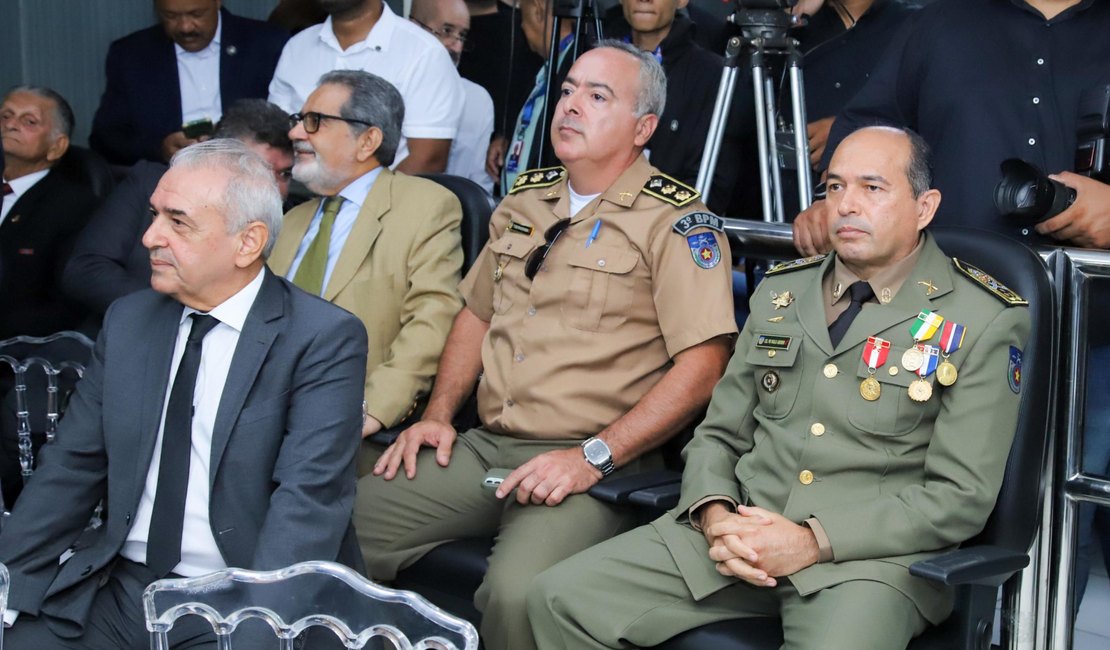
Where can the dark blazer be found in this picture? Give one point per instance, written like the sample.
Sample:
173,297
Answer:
283,447
142,101
35,241
109,260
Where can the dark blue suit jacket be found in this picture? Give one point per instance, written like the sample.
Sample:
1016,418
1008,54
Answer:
142,101
282,472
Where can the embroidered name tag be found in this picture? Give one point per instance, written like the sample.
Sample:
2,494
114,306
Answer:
767,342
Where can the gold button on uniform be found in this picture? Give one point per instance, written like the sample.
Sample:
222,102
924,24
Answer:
806,477
893,370
817,429
830,370
771,353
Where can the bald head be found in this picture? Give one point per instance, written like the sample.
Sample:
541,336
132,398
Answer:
447,20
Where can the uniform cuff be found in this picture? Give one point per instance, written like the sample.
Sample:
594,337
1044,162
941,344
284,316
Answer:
824,547
695,519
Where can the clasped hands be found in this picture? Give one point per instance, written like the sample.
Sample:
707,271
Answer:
756,545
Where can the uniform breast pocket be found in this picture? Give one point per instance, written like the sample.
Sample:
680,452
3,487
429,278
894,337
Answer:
894,413
509,284
779,369
601,285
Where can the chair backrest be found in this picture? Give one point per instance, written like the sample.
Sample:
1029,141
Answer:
477,206
1017,514
86,167
44,372
304,595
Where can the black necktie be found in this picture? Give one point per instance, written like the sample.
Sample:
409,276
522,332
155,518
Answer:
860,293
163,547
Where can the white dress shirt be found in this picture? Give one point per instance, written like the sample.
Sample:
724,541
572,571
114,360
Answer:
199,76
468,151
354,195
19,188
396,50
199,552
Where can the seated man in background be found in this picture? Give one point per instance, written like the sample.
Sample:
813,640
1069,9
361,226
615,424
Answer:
42,213
249,461
367,35
382,245
109,259
808,493
194,64
598,317
449,21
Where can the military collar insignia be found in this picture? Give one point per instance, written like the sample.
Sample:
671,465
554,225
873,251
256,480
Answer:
999,290
533,178
671,191
794,265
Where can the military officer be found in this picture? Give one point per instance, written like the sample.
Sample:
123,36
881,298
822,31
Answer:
831,457
599,316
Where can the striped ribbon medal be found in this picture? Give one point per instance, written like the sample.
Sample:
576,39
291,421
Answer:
874,355
921,390
951,338
922,330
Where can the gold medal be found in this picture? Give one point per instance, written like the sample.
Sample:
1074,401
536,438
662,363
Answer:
912,359
946,373
920,390
869,389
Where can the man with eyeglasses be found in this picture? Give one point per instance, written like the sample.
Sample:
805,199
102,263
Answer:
598,317
109,260
449,21
367,35
384,246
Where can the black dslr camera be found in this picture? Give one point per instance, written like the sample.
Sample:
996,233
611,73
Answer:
1027,194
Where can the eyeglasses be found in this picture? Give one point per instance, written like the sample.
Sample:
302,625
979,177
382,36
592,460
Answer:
312,120
535,260
448,32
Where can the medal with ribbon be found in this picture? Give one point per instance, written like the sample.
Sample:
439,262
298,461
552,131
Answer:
874,355
922,330
951,338
921,390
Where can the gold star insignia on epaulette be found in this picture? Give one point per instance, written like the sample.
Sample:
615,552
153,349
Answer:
670,190
999,290
537,178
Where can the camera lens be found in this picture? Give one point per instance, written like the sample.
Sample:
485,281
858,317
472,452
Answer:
1027,194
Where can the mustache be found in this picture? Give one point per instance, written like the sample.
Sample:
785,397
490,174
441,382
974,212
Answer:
162,255
570,123
302,146
852,221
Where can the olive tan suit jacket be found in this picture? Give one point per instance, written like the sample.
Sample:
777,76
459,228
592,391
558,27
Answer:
398,272
894,481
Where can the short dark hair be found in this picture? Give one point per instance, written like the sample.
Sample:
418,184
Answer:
374,101
63,112
256,120
919,169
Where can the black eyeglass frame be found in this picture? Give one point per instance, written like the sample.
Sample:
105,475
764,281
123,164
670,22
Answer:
550,236
460,36
318,118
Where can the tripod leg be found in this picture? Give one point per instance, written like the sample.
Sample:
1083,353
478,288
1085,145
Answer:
772,160
716,132
801,141
762,132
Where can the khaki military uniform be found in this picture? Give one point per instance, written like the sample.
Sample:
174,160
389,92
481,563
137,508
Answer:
566,354
886,482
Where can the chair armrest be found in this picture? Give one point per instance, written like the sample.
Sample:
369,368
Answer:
980,565
619,490
387,437
660,497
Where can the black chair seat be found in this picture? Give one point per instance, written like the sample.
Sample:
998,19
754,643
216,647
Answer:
449,575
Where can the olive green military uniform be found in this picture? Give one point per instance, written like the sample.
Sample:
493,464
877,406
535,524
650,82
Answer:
640,274
886,482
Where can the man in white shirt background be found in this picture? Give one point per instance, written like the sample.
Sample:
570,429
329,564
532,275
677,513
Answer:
367,35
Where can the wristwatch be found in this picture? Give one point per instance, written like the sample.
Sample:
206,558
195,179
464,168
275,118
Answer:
599,455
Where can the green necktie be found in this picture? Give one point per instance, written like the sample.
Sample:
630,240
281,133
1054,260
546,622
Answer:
310,274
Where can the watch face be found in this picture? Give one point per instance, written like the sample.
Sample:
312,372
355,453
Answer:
597,452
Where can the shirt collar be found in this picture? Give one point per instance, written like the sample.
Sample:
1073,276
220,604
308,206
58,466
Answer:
213,46
26,182
233,311
1063,15
357,190
378,39
885,283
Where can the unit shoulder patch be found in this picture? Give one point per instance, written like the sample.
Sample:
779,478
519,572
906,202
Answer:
671,191
533,178
688,222
794,265
996,288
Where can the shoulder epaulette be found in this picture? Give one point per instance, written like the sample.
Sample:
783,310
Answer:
794,265
671,191
532,178
1000,291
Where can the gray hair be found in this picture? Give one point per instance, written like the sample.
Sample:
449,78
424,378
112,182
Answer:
653,81
63,112
373,100
251,194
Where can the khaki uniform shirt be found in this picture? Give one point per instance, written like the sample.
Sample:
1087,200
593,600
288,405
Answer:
576,348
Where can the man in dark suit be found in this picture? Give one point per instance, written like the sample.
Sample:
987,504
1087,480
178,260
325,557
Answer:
190,67
42,212
249,461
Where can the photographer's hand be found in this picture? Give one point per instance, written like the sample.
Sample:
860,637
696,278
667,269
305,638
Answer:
1087,222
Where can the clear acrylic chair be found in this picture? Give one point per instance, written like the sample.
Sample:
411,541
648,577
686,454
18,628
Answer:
3,598
305,595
